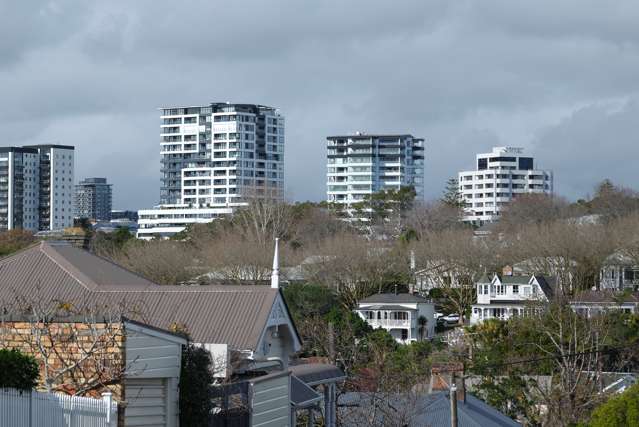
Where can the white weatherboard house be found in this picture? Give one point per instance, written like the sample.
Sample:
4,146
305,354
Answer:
407,317
619,272
504,297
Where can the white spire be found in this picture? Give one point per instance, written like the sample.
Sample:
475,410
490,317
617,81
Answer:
275,275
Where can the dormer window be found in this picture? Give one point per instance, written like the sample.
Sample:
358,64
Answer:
515,289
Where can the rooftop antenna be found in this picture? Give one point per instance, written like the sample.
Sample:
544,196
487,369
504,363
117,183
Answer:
275,275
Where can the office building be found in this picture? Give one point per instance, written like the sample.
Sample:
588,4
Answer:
36,187
360,165
93,199
213,158
500,176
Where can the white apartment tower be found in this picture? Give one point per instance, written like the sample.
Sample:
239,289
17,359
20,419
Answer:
361,164
36,187
501,176
213,157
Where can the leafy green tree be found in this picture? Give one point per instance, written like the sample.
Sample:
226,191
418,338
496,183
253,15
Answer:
304,300
18,370
386,205
508,395
195,380
618,411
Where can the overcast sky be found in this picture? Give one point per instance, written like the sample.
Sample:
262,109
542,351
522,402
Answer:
558,78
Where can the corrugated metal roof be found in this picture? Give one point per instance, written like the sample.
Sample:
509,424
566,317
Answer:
233,315
431,410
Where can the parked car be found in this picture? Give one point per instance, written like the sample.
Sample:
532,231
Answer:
451,319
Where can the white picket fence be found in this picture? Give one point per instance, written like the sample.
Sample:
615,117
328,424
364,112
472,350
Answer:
35,409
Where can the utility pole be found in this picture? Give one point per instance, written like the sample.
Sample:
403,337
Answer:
453,400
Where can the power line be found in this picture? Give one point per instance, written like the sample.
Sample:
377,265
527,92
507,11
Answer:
558,356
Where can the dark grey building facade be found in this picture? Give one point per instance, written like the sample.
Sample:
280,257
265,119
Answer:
93,199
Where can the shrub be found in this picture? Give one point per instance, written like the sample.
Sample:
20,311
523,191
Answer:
618,411
18,370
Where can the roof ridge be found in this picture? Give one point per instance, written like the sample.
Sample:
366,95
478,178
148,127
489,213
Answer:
121,267
46,247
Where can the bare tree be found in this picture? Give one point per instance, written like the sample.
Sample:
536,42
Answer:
574,344
80,350
454,260
356,267
165,262
575,252
533,208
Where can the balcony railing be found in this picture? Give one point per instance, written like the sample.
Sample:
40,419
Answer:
389,323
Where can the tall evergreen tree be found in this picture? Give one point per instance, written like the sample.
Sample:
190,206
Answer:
452,196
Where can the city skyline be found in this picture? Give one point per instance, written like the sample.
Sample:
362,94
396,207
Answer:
556,80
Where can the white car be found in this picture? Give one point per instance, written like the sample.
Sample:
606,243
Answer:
452,318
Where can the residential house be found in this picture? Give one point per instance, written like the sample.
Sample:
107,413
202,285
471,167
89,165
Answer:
590,303
407,317
619,272
503,297
247,329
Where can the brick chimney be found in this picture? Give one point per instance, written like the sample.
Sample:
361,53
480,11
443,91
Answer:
507,270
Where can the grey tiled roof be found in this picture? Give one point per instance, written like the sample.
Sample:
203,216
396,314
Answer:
233,315
514,280
393,299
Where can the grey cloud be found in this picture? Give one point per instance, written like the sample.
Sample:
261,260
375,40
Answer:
28,26
596,142
95,73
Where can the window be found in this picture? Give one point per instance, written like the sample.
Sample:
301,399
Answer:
482,164
404,334
503,159
525,163
515,289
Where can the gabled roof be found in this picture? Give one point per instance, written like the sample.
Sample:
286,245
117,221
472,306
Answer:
483,279
547,285
427,410
472,413
605,296
393,299
219,314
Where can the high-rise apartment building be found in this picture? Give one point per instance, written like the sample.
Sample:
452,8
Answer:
93,199
19,188
360,165
36,187
213,157
500,176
